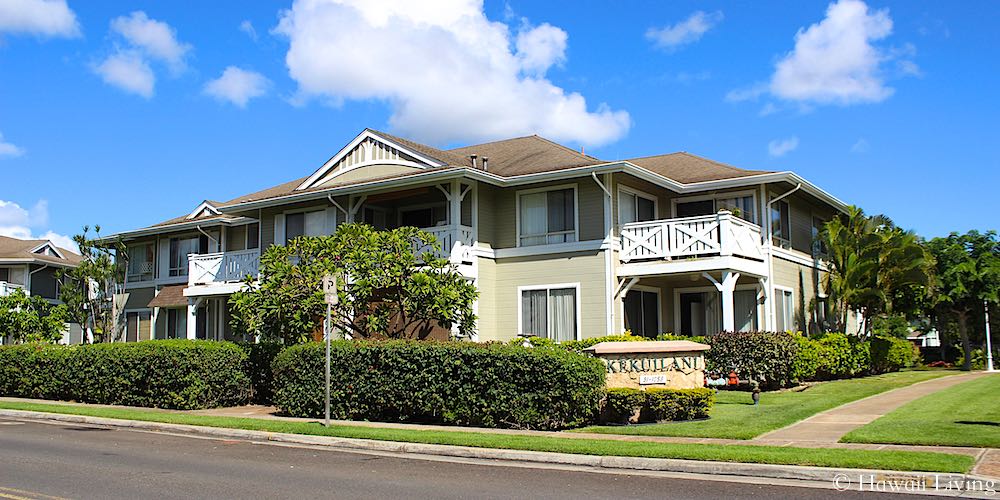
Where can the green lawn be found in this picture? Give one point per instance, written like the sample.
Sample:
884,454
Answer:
890,460
966,414
735,417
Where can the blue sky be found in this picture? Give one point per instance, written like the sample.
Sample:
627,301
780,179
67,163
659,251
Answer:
124,113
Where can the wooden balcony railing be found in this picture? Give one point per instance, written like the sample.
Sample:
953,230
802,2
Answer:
223,267
722,234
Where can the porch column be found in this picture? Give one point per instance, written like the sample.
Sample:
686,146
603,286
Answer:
192,317
726,288
766,322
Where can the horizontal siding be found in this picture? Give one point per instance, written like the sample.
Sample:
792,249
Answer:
806,284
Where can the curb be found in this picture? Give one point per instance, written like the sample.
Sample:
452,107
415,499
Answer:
833,477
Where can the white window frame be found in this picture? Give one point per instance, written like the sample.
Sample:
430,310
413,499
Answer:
286,213
715,197
182,272
637,193
576,211
784,241
152,323
778,294
129,249
554,286
659,305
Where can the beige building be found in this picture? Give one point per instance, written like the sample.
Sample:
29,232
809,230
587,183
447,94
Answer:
559,244
32,266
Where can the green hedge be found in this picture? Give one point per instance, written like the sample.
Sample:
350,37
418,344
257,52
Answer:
487,385
260,355
621,404
766,357
656,404
179,374
836,356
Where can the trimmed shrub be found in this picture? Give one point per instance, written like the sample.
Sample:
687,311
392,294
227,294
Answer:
889,354
260,355
621,404
679,404
576,345
461,383
177,374
766,357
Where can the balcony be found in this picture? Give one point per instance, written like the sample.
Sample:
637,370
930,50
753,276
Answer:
694,241
222,267
7,288
456,241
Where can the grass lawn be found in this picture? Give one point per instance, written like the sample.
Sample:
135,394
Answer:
891,460
966,414
735,417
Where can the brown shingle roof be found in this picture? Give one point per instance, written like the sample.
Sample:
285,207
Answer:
170,296
687,168
13,248
526,155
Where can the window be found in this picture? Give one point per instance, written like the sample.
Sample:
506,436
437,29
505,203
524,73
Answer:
176,323
549,313
304,224
781,228
137,326
141,262
695,208
784,310
822,306
244,237
4,274
818,245
180,248
740,206
547,217
435,215
642,313
375,217
253,235
745,310
634,207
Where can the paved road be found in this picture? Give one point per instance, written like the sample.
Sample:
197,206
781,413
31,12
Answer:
42,461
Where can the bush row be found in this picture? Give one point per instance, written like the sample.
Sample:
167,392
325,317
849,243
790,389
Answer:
487,385
178,374
621,405
835,356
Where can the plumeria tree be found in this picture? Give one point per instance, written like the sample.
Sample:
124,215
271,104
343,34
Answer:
30,318
393,284
88,289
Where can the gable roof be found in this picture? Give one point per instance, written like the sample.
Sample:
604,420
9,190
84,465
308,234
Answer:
17,250
687,168
525,155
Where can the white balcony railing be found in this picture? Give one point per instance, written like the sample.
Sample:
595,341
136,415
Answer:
7,288
722,234
455,241
222,267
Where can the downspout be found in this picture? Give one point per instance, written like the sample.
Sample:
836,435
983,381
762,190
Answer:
770,251
202,231
608,265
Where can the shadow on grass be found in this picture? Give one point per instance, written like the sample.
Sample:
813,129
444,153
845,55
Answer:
978,422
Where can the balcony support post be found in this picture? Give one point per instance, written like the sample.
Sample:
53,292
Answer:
726,288
192,317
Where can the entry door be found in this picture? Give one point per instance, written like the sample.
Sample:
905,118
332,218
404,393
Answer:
700,313
642,313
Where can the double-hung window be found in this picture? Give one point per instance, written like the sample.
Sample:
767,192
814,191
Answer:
781,227
547,217
550,312
180,248
784,310
634,207
304,224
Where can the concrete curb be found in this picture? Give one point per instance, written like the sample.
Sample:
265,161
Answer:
829,476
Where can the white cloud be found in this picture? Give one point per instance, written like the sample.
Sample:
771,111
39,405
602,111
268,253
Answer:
541,47
835,61
780,147
17,222
52,18
861,146
154,38
447,72
129,71
684,32
237,86
8,150
247,27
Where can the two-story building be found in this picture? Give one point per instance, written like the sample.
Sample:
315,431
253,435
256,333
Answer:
560,244
32,266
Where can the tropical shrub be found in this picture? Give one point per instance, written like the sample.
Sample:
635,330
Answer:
30,318
460,383
765,357
621,404
679,404
889,354
179,374
260,355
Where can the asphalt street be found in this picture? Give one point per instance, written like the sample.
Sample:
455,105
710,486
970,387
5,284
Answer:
46,461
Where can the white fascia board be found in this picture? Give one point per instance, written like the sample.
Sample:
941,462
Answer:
180,226
48,243
205,205
20,260
365,134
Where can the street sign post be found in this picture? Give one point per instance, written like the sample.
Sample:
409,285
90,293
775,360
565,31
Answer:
331,299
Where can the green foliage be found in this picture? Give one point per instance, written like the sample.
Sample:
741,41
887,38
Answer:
87,290
873,266
621,404
836,356
393,285
460,383
180,374
890,354
765,357
679,404
30,318
260,355
891,326
576,346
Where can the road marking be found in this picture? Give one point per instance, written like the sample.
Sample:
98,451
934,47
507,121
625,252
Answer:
31,495
11,423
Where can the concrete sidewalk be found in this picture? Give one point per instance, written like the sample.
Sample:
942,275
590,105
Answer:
831,425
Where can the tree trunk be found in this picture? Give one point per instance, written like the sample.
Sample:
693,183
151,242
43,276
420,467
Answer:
963,332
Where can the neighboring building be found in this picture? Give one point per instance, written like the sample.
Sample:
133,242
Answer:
559,244
929,338
31,265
